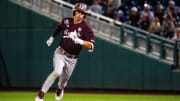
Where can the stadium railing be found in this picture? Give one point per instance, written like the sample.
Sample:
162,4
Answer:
111,30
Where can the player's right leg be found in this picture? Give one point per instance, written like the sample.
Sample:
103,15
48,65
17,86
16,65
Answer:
58,64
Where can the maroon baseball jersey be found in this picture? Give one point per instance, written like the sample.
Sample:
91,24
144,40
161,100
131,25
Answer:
84,32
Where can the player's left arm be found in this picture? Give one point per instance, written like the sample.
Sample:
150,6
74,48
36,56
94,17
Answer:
89,45
87,42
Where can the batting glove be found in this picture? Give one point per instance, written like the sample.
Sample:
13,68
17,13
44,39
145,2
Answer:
78,41
74,37
50,41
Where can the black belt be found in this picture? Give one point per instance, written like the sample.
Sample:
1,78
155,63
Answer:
62,51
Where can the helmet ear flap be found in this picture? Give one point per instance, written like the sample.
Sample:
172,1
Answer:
73,12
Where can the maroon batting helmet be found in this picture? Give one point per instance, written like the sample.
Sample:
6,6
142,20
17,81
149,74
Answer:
80,7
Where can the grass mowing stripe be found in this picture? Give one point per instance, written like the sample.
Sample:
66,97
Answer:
29,96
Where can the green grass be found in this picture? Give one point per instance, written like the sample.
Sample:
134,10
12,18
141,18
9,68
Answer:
29,96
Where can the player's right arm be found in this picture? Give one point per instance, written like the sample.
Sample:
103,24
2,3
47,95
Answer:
54,34
51,38
57,30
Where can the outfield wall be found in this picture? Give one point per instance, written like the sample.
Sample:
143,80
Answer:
25,59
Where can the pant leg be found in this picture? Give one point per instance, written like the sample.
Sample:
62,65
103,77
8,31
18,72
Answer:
67,72
49,81
58,63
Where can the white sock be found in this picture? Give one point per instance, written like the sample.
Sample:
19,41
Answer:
49,81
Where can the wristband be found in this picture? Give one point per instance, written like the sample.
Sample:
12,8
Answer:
80,41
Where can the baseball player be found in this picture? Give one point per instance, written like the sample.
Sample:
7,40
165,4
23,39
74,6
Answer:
76,34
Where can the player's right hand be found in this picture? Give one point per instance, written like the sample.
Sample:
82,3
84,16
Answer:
50,41
73,35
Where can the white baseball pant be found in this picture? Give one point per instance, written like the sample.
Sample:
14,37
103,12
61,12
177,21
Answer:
63,68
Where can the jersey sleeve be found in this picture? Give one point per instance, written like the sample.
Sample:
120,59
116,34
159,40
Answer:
89,35
59,28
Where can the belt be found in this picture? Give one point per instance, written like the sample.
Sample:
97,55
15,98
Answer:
62,51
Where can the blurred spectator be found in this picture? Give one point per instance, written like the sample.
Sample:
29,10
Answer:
177,34
163,15
147,9
172,6
108,8
117,3
168,27
123,8
178,18
171,12
173,9
159,12
129,3
88,2
133,17
110,2
108,11
104,4
155,26
120,16
144,21
96,7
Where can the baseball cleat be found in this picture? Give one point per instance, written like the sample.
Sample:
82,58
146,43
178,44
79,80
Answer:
38,99
59,94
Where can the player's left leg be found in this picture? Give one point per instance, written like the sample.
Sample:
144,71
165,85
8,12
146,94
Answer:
47,84
63,79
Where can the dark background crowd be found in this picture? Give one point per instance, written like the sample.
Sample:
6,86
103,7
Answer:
161,17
